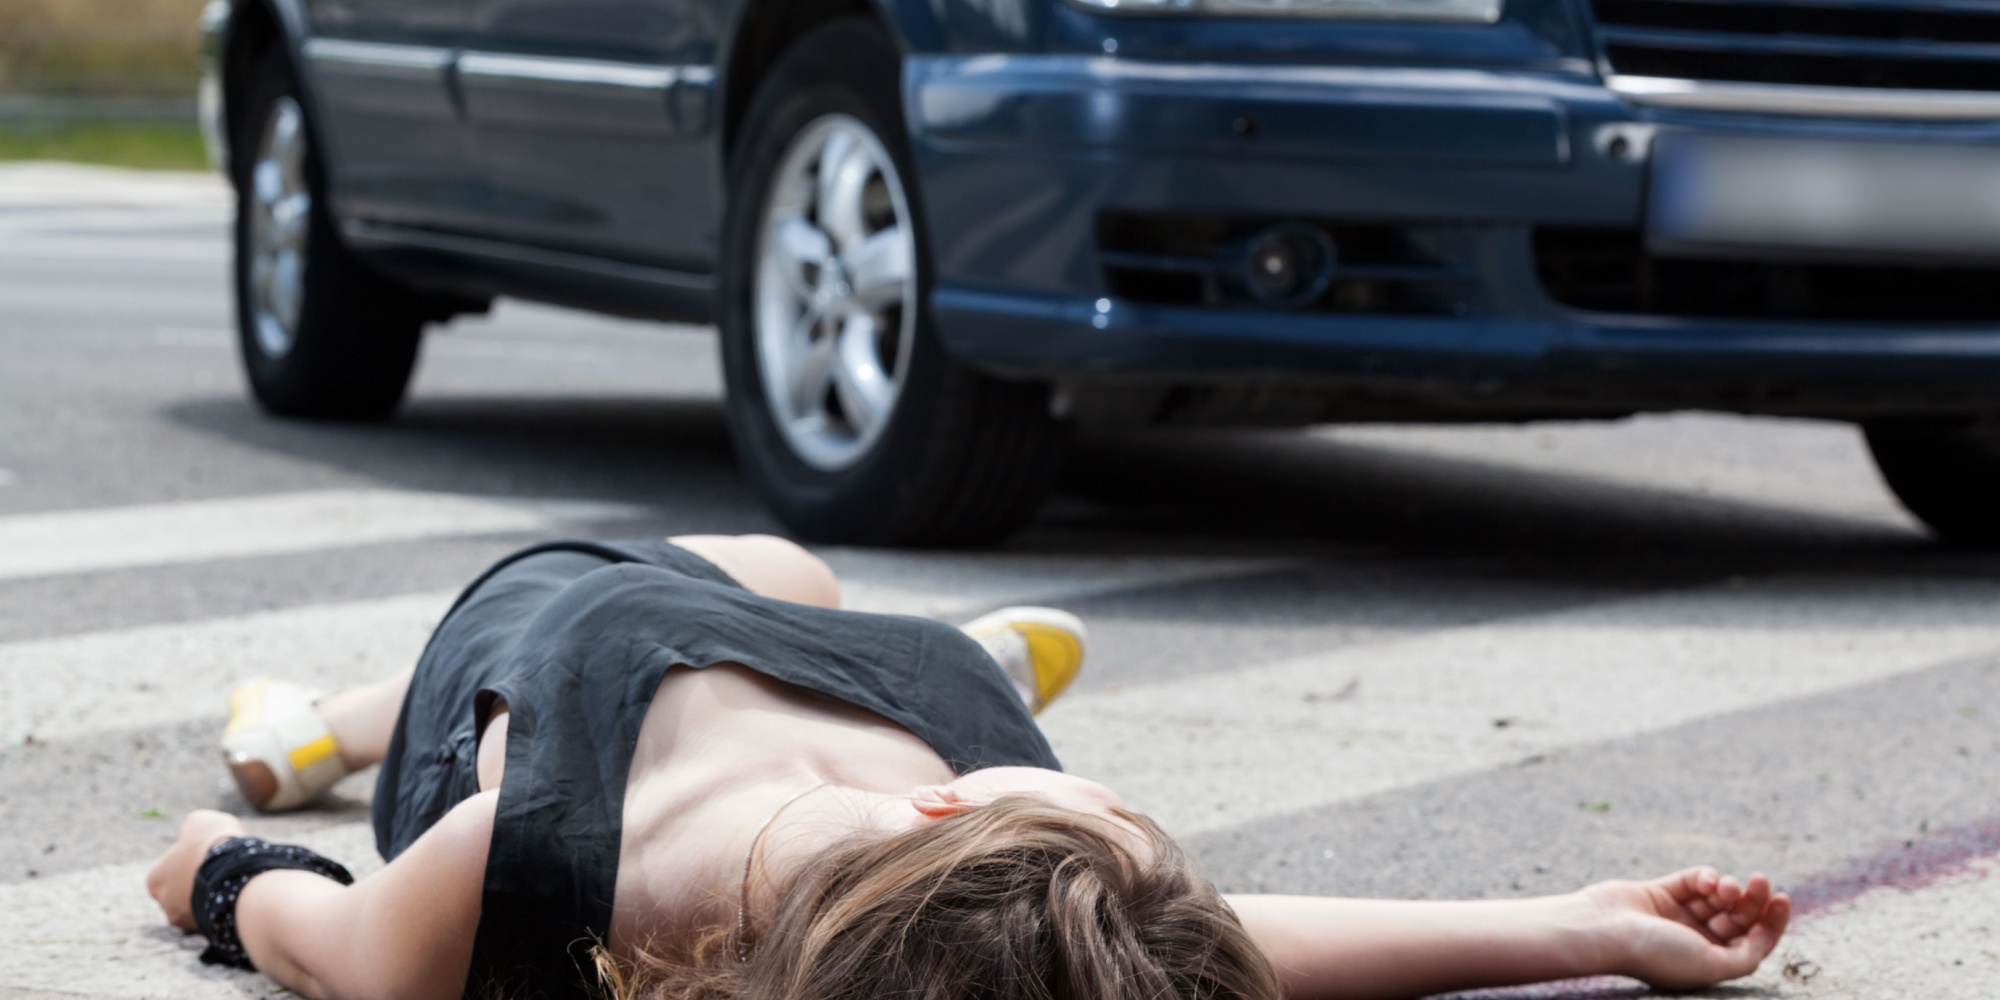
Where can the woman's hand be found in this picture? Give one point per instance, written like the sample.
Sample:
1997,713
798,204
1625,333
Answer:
1691,928
171,882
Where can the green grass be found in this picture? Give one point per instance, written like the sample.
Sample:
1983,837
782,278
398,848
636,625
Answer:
149,145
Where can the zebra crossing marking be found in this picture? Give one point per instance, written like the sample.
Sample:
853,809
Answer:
1262,741
155,675
112,247
159,674
1220,750
79,541
61,211
33,186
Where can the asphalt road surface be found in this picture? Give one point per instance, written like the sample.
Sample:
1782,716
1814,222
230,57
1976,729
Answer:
1411,662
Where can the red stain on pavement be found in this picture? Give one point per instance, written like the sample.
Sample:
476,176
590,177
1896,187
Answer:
1912,864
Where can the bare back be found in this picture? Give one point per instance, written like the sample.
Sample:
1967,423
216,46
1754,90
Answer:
720,749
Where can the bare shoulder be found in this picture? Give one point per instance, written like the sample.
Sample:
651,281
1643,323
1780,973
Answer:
439,880
467,829
434,889
448,863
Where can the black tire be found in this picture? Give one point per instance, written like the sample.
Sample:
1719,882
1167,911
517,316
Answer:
355,339
964,458
1947,475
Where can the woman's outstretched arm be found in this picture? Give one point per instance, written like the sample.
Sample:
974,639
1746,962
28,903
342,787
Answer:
1688,929
403,933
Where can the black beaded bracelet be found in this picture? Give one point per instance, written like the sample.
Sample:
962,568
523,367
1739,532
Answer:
230,866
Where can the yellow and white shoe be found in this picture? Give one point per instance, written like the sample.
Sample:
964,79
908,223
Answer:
1040,649
278,749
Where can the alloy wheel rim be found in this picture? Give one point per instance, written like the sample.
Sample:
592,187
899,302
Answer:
835,293
280,218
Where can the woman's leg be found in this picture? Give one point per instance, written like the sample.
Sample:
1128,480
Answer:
1039,649
361,718
769,566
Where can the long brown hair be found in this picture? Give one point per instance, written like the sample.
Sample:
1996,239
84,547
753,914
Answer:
1014,900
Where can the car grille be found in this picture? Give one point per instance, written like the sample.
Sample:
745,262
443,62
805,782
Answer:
1879,44
1611,271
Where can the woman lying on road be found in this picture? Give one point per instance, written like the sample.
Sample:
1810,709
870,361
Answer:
835,806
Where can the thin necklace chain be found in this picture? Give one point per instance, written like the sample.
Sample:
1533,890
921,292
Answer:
750,857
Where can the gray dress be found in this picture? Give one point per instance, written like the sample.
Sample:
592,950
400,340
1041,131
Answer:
576,636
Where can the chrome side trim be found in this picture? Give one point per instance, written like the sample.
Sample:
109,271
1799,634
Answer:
382,58
588,72
1792,99
383,80
585,95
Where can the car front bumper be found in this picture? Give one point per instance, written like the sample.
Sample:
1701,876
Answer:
1020,157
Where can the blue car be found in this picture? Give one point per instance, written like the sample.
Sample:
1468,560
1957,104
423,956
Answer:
938,235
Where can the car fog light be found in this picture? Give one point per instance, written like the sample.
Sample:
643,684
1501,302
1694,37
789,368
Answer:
1289,264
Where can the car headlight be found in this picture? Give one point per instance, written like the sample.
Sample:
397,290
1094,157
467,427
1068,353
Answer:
1473,11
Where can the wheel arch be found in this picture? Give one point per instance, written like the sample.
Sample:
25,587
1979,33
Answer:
764,29
247,29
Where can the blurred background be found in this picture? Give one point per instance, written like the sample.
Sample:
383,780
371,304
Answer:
101,81
1371,658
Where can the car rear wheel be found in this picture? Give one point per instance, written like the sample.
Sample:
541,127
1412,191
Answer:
1948,476
851,421
321,335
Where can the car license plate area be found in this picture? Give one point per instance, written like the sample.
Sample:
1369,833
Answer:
1716,196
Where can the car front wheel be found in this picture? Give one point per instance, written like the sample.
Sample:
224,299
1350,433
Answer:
321,335
850,419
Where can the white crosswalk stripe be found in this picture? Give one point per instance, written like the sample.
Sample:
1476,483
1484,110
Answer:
94,932
72,212
1219,750
204,530
154,675
337,645
44,187
119,247
1202,754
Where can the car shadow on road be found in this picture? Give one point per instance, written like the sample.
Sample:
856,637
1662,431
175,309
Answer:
654,452
1239,494
1296,493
